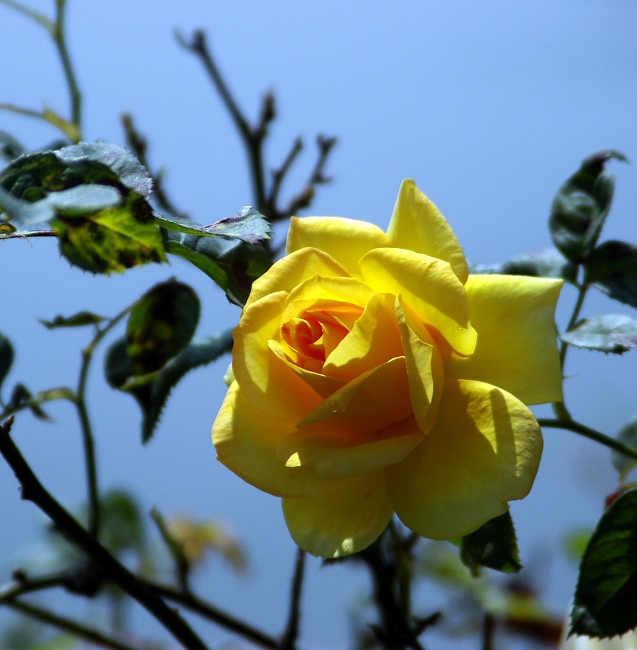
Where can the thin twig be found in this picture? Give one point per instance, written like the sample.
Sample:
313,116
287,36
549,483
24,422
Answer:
31,13
22,585
182,565
488,631
279,174
24,234
59,37
33,490
288,641
592,434
68,625
208,611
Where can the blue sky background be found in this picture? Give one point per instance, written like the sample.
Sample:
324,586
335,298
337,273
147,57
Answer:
489,106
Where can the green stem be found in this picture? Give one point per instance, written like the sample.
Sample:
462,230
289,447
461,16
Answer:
30,13
59,37
68,625
592,434
574,317
85,423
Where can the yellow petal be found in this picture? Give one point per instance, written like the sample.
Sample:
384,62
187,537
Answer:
343,519
346,290
246,440
483,451
291,270
265,379
424,368
373,340
339,457
517,347
428,286
418,225
371,402
346,240
322,384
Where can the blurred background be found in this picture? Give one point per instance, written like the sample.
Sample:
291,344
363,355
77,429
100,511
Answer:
489,106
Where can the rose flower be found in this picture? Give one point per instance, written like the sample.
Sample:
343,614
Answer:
371,375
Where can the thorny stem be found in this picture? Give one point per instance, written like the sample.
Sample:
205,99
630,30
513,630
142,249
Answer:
288,641
33,490
592,434
68,625
28,233
59,36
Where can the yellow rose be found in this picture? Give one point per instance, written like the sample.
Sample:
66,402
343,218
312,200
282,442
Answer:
373,375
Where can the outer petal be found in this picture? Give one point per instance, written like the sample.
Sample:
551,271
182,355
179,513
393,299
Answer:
418,225
517,347
290,271
345,518
428,286
267,381
483,451
346,240
246,440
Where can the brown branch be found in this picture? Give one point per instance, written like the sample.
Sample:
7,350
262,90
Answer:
32,490
288,641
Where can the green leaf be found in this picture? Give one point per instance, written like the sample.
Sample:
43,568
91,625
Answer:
575,543
231,263
20,396
95,196
248,225
616,333
547,263
151,391
581,206
606,590
160,325
80,319
612,268
628,435
10,148
493,545
6,357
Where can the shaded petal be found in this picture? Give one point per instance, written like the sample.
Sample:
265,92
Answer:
424,369
270,384
334,457
290,271
483,451
418,225
373,340
344,519
322,384
517,343
246,440
346,240
428,286
371,402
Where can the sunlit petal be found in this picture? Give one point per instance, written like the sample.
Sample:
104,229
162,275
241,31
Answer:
483,451
428,286
246,441
265,379
418,225
346,240
517,345
345,518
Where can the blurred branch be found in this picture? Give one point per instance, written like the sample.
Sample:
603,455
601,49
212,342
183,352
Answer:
32,490
592,434
253,137
208,611
139,146
67,625
31,13
288,641
59,36
24,234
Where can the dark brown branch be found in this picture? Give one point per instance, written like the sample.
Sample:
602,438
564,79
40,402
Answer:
68,625
32,490
279,174
288,641
208,611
